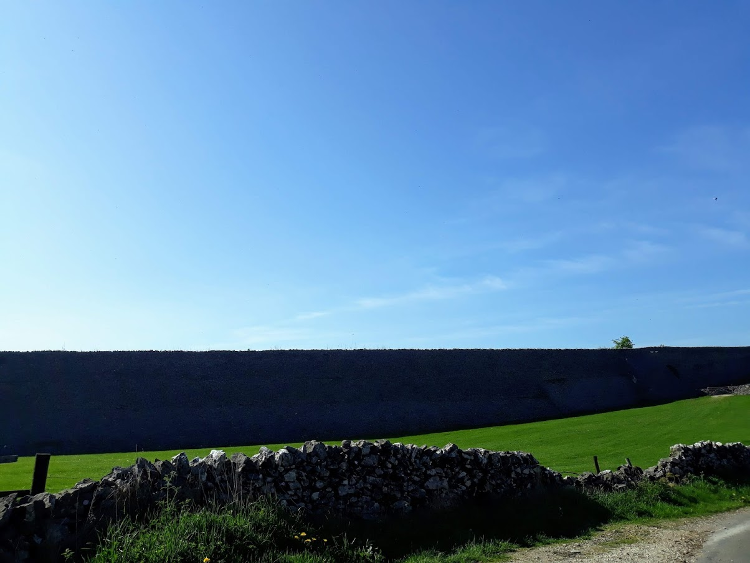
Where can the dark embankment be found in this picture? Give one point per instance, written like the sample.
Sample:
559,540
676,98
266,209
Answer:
92,402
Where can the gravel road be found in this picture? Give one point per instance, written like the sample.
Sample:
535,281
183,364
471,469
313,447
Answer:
675,541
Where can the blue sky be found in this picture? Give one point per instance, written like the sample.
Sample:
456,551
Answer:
272,175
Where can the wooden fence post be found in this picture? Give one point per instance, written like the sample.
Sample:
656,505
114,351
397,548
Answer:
41,466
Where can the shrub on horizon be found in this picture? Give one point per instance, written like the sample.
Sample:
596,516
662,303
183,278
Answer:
623,343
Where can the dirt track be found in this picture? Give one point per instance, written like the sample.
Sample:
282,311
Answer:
665,542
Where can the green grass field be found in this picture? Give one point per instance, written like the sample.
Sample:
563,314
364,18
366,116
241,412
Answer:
566,445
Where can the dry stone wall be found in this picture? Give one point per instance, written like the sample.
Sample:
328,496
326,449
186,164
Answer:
728,390
96,402
358,479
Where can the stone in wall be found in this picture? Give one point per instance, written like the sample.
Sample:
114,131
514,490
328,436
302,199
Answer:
625,477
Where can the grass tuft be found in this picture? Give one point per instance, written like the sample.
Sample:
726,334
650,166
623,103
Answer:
256,531
698,496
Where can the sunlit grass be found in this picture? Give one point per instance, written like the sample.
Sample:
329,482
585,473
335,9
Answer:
644,434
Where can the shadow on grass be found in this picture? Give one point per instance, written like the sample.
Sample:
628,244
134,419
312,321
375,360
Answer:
533,517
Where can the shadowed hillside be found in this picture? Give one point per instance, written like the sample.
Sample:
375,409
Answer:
88,402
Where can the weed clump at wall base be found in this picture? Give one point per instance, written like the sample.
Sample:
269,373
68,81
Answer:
695,496
259,531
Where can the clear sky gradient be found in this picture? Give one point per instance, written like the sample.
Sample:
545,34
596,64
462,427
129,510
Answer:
404,174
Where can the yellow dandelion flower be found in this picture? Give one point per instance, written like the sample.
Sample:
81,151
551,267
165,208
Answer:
314,539
303,534
325,540
296,537
206,560
308,541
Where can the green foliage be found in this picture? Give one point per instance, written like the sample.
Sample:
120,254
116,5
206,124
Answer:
623,343
261,531
698,496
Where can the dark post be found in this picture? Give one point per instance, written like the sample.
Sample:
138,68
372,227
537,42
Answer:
596,464
41,465
628,460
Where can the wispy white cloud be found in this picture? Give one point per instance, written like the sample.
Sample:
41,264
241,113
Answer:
636,250
725,237
298,329
17,165
712,147
732,303
312,315
741,218
590,264
733,293
632,226
434,293
700,299
572,202
510,245
529,190
643,251
509,194
537,241
530,242
635,253
261,335
534,325
543,323
512,142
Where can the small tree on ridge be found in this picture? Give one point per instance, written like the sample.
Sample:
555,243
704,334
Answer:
623,343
